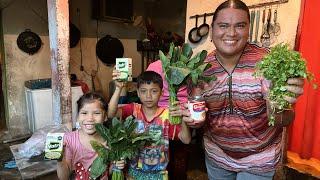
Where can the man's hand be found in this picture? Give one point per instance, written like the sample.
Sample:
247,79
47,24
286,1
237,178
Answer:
186,117
294,85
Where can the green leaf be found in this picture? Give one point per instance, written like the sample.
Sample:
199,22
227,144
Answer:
99,148
105,133
98,167
187,50
164,60
177,75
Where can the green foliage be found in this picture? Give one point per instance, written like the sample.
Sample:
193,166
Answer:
278,66
122,142
180,68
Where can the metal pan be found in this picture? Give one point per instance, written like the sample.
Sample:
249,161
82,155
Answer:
203,29
193,33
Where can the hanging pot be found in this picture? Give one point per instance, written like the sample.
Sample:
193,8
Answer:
29,42
193,33
108,49
203,29
74,35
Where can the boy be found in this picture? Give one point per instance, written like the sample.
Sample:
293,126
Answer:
152,160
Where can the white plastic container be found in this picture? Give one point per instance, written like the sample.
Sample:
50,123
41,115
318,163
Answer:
39,106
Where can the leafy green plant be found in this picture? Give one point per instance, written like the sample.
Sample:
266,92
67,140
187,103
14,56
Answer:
180,68
122,142
278,66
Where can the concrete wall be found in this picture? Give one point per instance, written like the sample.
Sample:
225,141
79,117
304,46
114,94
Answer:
288,15
32,14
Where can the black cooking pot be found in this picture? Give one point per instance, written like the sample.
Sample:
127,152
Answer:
74,35
108,49
29,42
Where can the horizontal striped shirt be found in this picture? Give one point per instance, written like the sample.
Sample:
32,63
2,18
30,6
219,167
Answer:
237,136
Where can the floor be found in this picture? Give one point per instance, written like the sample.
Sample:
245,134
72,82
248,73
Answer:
196,167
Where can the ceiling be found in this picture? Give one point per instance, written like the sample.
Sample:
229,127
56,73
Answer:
5,3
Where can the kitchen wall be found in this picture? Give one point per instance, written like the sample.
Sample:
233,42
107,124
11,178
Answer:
32,14
288,15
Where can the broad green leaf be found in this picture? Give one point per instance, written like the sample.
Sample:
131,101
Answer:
183,59
194,77
164,60
99,148
194,60
105,133
171,49
187,50
98,167
115,122
178,74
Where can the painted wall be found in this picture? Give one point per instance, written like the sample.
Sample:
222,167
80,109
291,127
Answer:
32,14
288,15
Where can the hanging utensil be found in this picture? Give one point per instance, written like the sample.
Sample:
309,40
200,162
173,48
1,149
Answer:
252,17
193,33
265,37
257,27
29,42
203,29
276,25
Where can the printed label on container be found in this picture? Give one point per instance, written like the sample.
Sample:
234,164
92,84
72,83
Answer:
124,65
197,110
54,146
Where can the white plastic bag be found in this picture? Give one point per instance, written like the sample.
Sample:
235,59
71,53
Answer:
34,146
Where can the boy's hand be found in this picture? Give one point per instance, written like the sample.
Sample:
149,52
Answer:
119,164
115,77
186,117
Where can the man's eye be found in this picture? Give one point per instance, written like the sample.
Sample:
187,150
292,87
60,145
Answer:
241,26
223,26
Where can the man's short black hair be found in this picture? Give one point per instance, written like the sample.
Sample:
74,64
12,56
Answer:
148,77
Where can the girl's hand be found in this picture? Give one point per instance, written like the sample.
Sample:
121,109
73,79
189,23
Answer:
186,117
119,164
115,77
294,85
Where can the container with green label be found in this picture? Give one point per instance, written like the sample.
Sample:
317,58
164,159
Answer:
54,146
124,65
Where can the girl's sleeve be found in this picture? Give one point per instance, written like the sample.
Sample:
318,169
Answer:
68,150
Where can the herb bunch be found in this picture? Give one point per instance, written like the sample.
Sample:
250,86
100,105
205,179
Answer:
278,66
180,69
122,142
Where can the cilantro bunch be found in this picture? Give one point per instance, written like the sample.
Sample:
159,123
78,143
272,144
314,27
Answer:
278,66
122,142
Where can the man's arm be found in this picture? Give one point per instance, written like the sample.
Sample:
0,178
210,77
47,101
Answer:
185,134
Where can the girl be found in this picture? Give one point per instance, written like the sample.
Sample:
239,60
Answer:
78,153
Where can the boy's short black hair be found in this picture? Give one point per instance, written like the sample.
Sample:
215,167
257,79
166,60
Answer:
148,77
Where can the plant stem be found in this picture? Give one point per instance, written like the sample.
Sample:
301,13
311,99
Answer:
172,102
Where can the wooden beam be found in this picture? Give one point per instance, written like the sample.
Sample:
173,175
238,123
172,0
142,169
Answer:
58,19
